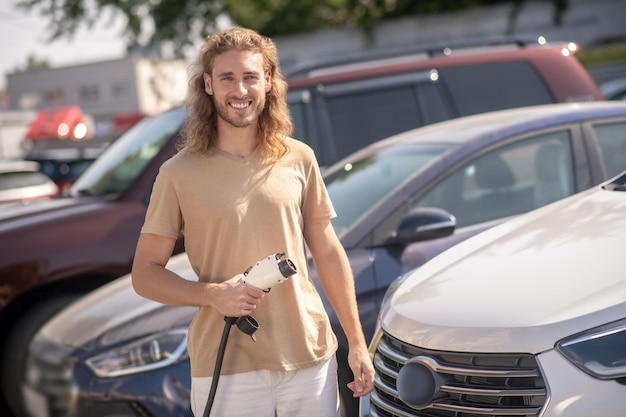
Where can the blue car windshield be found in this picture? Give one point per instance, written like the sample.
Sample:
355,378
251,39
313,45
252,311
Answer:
116,169
358,186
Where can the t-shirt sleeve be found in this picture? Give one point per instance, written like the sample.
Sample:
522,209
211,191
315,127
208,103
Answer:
317,203
163,216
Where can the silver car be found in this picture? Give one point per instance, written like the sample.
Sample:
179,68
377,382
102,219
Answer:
22,181
525,319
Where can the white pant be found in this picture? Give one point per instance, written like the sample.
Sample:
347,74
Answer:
308,392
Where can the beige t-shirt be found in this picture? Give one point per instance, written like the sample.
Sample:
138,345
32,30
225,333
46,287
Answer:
234,212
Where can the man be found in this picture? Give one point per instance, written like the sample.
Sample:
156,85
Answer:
240,190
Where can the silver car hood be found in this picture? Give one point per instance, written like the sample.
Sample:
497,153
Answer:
521,286
110,309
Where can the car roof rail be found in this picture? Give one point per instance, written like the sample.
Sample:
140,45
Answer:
428,50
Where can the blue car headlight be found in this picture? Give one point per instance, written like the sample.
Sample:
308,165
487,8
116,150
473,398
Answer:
600,352
155,351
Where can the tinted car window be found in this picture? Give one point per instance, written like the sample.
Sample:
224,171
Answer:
362,112
508,181
297,106
379,174
367,116
493,86
612,143
297,117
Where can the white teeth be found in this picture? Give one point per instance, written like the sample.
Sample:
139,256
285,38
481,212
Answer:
240,105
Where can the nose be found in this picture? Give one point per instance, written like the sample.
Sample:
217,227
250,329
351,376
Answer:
240,87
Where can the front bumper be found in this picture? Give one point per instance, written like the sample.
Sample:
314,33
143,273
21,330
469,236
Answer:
573,393
559,389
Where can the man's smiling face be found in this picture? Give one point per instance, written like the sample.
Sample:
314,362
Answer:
238,84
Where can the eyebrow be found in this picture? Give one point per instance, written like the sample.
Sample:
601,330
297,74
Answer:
226,73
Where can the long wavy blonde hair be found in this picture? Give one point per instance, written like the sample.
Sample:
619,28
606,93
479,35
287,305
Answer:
199,132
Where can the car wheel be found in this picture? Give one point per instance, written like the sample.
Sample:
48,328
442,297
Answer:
15,349
348,404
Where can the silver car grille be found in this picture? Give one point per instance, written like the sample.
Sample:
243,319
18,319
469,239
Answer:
476,385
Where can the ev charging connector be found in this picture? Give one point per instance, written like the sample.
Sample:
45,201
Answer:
264,275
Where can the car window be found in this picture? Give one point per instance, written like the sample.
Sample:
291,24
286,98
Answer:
358,113
508,181
358,186
361,118
297,101
614,89
612,143
364,111
297,117
493,86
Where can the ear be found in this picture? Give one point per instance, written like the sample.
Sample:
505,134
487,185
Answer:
208,88
268,81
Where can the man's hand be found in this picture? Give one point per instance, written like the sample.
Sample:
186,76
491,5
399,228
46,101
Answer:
363,370
233,298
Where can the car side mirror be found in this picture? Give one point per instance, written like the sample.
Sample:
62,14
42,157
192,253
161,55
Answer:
424,223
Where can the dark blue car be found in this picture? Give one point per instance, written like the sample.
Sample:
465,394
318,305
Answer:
400,202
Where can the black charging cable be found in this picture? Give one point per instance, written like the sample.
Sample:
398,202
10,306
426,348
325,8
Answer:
246,324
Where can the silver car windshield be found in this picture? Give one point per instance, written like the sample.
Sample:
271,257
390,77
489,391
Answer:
116,169
358,186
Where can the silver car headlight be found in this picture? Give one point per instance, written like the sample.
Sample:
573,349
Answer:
155,351
600,352
393,287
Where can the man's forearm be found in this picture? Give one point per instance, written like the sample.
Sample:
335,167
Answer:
336,277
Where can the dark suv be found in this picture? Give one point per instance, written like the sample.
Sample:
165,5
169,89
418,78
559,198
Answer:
53,251
340,108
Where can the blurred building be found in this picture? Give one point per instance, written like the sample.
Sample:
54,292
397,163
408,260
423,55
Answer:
107,90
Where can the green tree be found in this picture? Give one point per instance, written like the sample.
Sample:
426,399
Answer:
33,62
182,22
